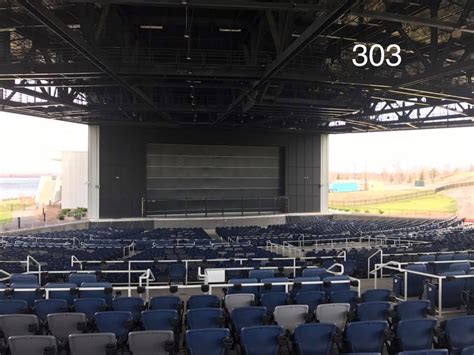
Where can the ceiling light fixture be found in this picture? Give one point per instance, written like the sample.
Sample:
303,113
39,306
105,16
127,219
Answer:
151,27
223,29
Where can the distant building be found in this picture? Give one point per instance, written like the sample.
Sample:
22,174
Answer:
344,186
49,191
73,179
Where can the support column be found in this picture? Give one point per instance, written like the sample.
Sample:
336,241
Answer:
93,171
324,190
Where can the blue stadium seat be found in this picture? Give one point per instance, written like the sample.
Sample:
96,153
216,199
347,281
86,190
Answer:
460,267
261,340
247,317
441,268
203,301
237,288
459,333
261,274
366,336
347,296
335,283
68,295
135,305
79,278
314,338
160,319
269,287
468,350
29,296
116,322
451,290
202,318
415,282
13,307
208,341
371,311
166,302
23,279
298,286
415,334
425,352
310,298
90,306
376,295
272,299
44,307
315,272
412,309
105,293
177,273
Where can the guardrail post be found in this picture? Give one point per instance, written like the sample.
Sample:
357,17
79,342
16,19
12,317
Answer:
143,206
205,206
185,207
186,276
241,205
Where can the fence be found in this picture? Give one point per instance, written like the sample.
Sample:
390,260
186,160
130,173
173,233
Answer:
400,197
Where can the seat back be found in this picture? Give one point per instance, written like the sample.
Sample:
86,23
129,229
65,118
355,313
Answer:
426,352
269,287
290,316
13,307
203,301
314,338
237,300
373,311
150,342
92,343
79,278
177,272
300,286
336,283
90,306
451,290
272,299
441,268
44,307
202,318
310,298
346,296
23,279
67,295
105,293
32,345
237,288
376,295
206,341
459,333
61,325
116,322
261,274
366,336
247,317
30,296
412,309
464,266
160,319
19,324
415,282
261,340
315,272
129,304
415,334
166,302
335,313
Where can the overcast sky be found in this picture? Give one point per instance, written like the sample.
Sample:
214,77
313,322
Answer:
31,145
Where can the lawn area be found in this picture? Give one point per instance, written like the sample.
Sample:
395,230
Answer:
432,203
335,197
7,206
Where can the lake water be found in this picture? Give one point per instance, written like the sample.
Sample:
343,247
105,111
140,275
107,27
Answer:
18,187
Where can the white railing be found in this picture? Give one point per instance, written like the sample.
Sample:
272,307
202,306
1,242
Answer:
30,262
399,266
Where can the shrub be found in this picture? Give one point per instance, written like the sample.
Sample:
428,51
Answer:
61,217
367,211
381,211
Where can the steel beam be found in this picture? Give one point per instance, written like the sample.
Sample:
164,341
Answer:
47,17
308,36
421,21
214,4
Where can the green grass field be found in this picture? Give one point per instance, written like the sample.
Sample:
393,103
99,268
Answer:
7,206
433,203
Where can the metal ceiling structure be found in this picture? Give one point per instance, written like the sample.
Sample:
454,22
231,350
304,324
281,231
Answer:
277,65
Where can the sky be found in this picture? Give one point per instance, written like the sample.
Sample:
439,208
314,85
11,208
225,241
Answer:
30,145
439,148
